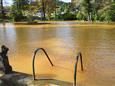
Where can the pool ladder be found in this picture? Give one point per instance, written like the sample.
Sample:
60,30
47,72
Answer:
79,55
33,62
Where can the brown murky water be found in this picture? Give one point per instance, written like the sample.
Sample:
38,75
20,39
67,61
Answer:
62,41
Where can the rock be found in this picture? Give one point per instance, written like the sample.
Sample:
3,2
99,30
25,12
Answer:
4,60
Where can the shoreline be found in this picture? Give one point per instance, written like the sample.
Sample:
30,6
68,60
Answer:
53,22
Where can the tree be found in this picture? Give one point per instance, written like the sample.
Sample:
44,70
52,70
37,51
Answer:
43,4
32,10
80,16
2,10
108,13
112,12
48,7
97,9
87,8
19,6
65,11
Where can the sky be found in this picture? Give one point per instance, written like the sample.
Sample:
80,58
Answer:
66,0
9,2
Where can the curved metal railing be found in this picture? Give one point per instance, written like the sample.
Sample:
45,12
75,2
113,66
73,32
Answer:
33,62
79,55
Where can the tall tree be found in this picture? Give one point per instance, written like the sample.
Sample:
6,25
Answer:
18,7
48,7
2,10
32,10
87,6
43,2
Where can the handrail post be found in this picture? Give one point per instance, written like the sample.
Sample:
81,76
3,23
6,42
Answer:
79,55
75,70
48,57
33,62
81,61
33,66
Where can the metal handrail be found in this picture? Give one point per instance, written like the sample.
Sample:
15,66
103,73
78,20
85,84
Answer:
79,55
33,62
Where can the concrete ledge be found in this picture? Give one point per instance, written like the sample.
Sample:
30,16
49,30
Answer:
21,79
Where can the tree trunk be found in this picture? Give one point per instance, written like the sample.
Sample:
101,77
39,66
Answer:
43,10
2,11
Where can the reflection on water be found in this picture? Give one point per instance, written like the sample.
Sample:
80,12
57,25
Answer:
62,41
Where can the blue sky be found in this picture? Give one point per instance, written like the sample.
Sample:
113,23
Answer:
9,2
66,0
